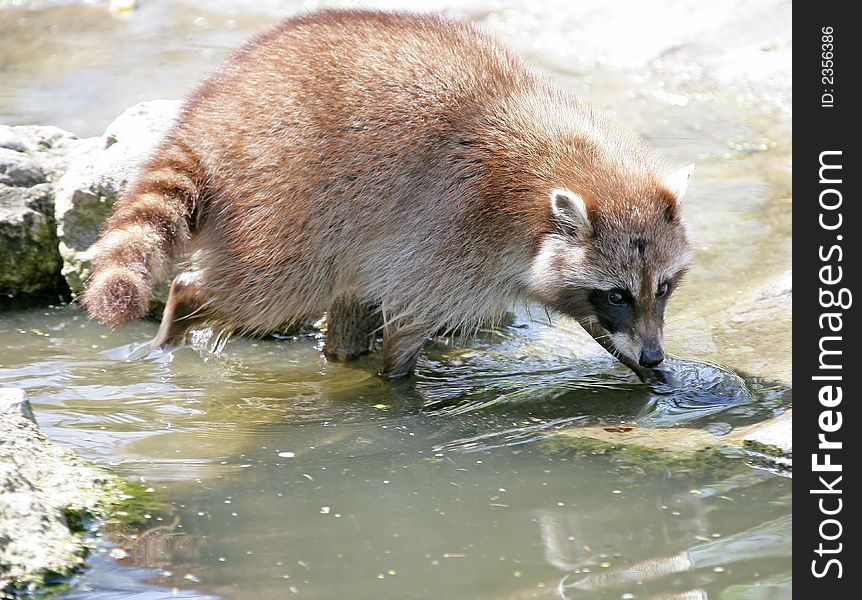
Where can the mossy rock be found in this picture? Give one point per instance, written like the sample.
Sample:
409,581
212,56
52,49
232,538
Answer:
705,462
49,502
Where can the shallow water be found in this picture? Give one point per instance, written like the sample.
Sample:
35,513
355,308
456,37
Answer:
286,474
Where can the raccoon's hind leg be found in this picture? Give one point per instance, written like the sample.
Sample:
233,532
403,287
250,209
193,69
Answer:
401,347
349,327
183,309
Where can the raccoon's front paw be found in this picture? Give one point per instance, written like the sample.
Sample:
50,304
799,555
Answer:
656,377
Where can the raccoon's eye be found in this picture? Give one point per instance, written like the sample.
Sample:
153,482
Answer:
616,297
663,289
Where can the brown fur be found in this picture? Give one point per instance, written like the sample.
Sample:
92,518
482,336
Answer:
356,160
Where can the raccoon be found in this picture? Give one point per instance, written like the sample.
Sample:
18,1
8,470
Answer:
405,174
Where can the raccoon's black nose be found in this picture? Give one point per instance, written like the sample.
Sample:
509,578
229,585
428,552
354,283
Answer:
651,357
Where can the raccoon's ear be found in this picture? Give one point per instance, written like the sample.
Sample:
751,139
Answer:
570,213
677,182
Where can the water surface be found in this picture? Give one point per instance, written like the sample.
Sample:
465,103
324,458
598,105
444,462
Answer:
285,472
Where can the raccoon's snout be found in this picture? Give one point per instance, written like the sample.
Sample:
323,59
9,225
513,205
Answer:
651,356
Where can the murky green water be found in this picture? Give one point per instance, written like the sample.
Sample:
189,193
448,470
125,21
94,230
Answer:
286,474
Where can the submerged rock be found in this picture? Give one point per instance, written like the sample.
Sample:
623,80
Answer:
45,492
772,438
769,441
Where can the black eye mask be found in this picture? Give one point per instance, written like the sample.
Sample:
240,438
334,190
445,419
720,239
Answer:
613,316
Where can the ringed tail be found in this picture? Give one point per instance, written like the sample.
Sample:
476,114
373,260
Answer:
149,227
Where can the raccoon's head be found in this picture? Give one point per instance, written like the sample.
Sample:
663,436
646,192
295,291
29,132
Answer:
612,263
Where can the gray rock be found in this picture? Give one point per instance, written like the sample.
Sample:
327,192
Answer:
19,169
14,401
31,158
11,140
57,190
97,176
41,485
29,255
51,148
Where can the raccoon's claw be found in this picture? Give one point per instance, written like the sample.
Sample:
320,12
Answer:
185,300
650,376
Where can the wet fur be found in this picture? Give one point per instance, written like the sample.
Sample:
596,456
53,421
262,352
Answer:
392,169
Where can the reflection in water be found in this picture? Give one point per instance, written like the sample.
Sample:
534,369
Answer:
767,541
104,581
775,588
567,547
163,547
